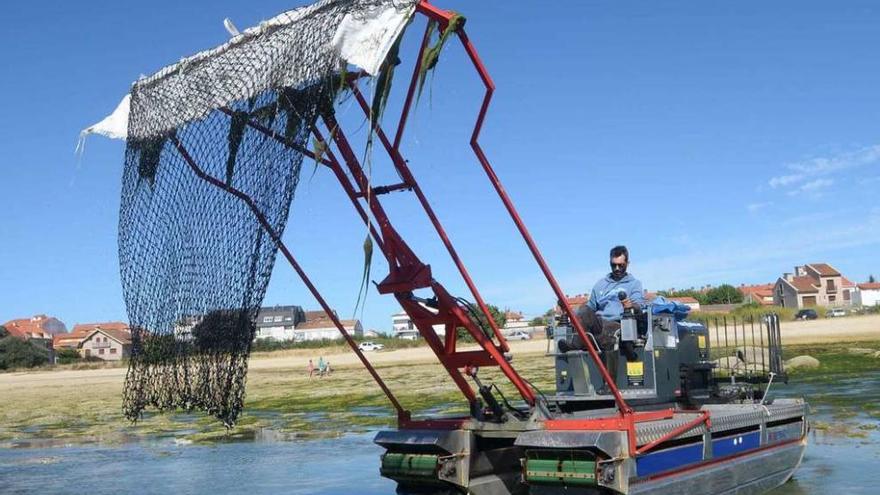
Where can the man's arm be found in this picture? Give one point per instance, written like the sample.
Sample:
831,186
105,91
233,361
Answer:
593,303
637,295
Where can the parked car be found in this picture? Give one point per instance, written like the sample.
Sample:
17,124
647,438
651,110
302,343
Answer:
519,335
835,313
370,346
806,314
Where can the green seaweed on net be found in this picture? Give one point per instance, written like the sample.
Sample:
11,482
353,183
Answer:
237,126
150,153
383,82
266,114
431,55
365,278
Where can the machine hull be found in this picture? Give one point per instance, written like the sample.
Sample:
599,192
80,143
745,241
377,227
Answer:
747,449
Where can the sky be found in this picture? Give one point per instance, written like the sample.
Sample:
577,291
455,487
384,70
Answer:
721,142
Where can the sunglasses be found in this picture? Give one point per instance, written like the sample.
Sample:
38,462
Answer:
618,265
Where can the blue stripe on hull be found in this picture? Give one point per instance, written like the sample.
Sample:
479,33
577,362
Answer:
735,444
677,457
664,460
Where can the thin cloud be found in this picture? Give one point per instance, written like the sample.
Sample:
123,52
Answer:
823,166
755,207
813,188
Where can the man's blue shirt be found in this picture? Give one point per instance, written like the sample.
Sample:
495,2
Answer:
605,301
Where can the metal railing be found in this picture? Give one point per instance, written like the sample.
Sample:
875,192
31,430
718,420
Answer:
745,349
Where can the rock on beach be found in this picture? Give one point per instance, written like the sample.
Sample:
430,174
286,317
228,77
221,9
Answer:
805,362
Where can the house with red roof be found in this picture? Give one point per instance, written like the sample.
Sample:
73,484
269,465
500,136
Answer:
813,284
757,294
81,331
36,327
575,301
867,294
110,343
514,319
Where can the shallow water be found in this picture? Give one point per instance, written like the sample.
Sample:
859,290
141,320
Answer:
843,457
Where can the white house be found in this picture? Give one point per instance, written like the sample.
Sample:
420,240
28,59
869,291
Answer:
403,327
324,329
514,320
867,294
279,322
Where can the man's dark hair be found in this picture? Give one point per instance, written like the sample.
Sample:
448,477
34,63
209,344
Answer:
620,250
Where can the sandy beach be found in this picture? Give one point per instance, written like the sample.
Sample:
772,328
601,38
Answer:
848,329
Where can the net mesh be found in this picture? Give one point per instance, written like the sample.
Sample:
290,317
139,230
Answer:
194,259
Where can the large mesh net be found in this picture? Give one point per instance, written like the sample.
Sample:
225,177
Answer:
195,260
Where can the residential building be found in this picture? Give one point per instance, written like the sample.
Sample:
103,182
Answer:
279,322
325,329
867,294
106,344
403,327
37,330
757,294
575,301
80,331
814,284
514,320
36,327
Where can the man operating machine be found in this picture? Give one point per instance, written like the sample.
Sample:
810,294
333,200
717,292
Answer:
611,296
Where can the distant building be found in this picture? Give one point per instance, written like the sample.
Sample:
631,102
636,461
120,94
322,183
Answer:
279,322
324,329
757,294
575,301
371,334
37,330
106,344
40,327
80,331
687,301
403,327
814,284
514,320
867,294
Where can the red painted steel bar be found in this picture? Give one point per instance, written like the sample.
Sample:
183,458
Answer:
704,418
399,256
408,178
511,209
446,301
402,414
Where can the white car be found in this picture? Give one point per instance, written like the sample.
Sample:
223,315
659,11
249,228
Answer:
518,335
834,313
370,346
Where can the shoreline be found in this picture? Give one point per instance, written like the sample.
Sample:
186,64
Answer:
865,328
84,406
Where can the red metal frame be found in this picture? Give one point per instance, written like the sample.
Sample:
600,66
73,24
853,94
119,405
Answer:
407,273
704,418
443,17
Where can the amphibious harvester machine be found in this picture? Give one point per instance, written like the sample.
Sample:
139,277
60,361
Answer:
672,418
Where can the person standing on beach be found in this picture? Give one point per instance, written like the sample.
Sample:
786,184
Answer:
321,366
311,368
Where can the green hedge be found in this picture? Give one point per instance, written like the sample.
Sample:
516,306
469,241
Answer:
269,345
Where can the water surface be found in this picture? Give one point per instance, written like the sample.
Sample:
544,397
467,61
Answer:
843,457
